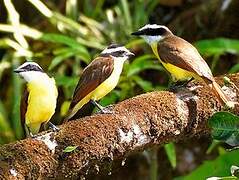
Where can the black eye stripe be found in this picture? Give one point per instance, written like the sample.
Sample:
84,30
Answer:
154,31
115,54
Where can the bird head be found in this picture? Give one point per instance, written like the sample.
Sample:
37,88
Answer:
153,33
117,52
29,71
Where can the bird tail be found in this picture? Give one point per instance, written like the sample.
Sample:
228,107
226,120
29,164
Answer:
219,93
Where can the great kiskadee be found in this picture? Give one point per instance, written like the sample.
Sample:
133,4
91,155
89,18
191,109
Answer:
39,100
99,78
180,58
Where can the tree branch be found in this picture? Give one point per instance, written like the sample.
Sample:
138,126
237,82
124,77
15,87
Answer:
103,140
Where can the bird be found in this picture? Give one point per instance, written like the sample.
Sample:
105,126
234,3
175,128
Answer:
99,78
179,57
38,102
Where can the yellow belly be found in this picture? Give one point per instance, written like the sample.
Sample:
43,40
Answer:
103,89
41,104
178,74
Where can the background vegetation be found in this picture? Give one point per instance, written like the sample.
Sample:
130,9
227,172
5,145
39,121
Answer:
63,36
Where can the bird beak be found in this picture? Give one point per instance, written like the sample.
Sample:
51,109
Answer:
17,70
137,33
130,54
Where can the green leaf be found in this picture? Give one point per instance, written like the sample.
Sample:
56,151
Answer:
218,167
171,153
15,102
218,46
66,40
212,146
142,63
64,55
225,127
59,59
66,81
126,13
69,149
234,68
223,178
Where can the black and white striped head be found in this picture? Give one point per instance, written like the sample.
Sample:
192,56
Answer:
153,33
117,52
30,71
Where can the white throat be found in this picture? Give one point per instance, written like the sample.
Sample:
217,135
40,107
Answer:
30,76
152,39
120,59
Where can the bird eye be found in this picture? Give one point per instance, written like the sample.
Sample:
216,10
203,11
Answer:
161,31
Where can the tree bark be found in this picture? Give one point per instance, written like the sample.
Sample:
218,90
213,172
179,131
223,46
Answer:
104,140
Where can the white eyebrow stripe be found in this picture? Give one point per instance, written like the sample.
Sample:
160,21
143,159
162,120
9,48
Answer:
29,63
152,26
108,51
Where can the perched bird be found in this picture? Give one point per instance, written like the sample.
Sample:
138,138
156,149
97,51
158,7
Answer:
180,58
40,96
99,78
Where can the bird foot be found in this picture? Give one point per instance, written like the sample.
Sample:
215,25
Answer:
174,87
53,127
33,136
106,111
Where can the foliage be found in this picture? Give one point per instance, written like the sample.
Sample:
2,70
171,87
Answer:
170,150
69,149
69,36
218,167
71,46
225,127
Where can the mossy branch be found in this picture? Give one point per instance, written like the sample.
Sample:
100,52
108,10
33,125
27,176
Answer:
103,140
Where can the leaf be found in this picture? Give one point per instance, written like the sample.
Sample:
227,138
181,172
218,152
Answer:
66,81
218,167
69,149
218,46
225,127
234,68
64,108
66,40
223,178
65,55
59,59
142,63
15,102
171,153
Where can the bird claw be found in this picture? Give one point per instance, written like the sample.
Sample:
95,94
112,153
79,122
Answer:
53,127
179,85
106,111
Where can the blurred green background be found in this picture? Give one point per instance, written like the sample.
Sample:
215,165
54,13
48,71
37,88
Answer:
63,36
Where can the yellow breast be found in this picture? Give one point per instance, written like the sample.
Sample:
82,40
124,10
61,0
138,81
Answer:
110,83
178,74
103,89
41,101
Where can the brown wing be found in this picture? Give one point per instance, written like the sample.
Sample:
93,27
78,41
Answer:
93,75
177,51
23,108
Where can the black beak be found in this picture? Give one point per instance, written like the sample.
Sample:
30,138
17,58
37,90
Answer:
130,55
17,70
137,33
